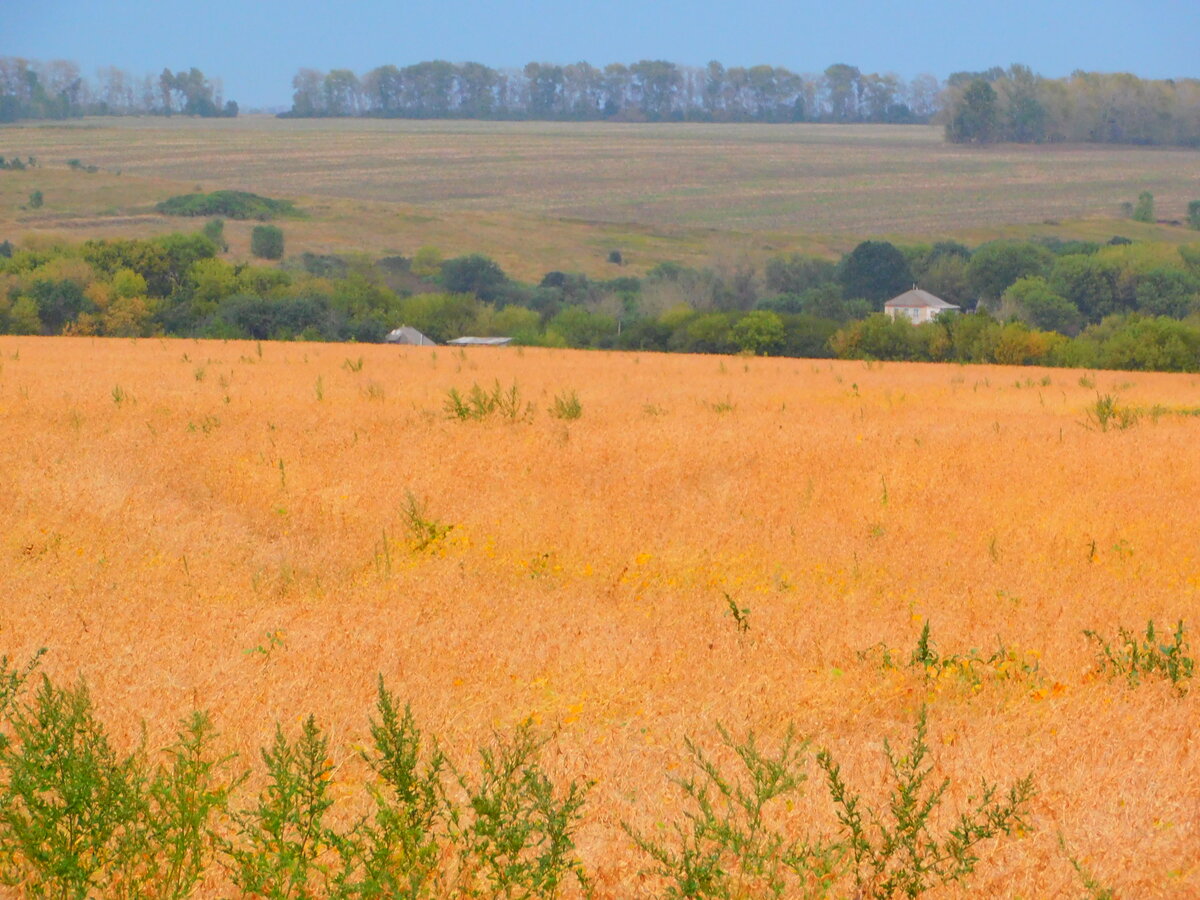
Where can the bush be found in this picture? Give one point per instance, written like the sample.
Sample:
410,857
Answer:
230,204
266,242
35,200
1193,214
1143,211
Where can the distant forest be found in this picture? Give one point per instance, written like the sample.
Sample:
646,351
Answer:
995,105
990,106
57,90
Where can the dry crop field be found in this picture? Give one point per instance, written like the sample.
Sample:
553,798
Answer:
542,196
222,525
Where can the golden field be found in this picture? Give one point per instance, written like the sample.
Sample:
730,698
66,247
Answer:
171,505
539,196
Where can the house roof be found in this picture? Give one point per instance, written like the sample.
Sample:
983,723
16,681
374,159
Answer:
480,341
406,334
918,298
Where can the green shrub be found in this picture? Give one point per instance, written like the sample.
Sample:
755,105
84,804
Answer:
402,844
519,840
284,846
894,851
230,204
266,242
36,199
1143,210
724,846
70,805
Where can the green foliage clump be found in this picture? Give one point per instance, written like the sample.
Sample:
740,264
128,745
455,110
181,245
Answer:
895,851
1143,210
229,204
1107,412
266,242
482,403
1136,656
36,199
566,406
1193,214
730,844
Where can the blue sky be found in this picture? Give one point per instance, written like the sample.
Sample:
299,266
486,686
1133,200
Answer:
256,47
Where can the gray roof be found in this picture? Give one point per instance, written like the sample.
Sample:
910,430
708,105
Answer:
480,341
919,298
406,334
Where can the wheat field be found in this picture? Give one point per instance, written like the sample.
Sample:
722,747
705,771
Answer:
222,526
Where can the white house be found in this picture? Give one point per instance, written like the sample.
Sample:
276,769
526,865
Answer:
917,306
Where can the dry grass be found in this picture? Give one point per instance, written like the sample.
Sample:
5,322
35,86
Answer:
152,544
540,196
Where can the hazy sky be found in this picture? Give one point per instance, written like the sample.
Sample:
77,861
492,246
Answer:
256,47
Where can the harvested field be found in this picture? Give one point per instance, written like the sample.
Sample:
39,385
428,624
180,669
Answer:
562,195
171,505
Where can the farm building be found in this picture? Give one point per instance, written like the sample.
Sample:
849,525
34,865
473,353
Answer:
480,342
406,334
917,306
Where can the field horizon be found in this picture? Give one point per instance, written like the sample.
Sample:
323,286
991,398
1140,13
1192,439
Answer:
539,196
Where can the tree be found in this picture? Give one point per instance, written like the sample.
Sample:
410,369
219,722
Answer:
996,265
1043,308
842,89
1143,211
759,332
473,274
266,242
974,116
36,200
874,271
1193,214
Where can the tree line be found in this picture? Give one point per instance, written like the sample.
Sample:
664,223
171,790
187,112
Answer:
1120,304
1017,105
989,106
648,90
30,89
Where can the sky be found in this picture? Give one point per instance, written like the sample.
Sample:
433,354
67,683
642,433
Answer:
256,46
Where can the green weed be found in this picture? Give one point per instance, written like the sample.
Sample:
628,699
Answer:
566,406
480,403
519,840
423,531
1107,413
284,847
1135,656
895,851
726,846
740,614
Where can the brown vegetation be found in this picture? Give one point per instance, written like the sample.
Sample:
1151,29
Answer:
225,526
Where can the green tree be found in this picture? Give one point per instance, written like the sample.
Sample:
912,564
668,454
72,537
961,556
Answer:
974,116
23,318
1043,308
1143,210
473,274
1193,214
759,332
1088,282
36,200
874,271
998,264
214,230
266,242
